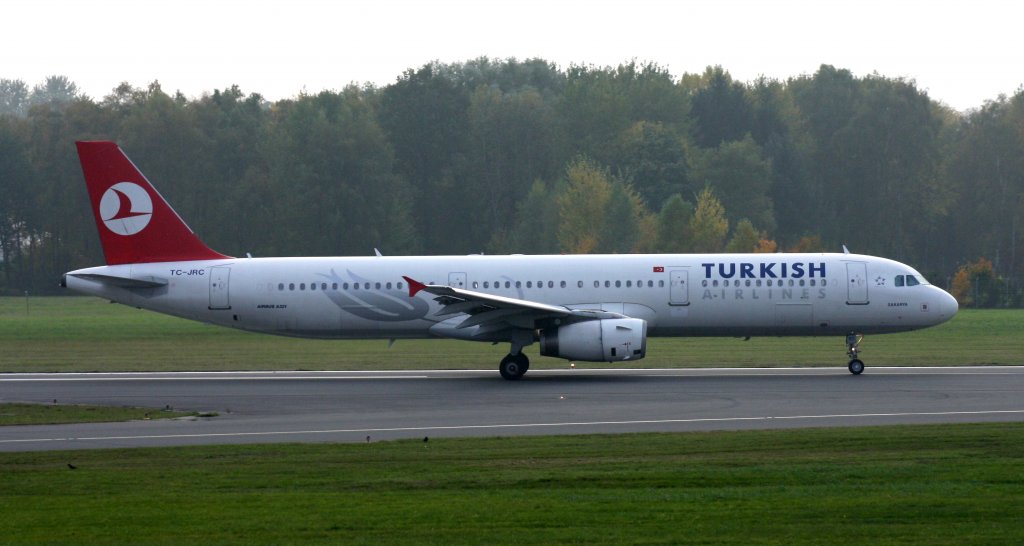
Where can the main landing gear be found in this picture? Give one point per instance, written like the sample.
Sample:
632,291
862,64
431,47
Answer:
856,365
514,366
515,363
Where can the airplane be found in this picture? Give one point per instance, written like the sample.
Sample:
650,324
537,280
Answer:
594,308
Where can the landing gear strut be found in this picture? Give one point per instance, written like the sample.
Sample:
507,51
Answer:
514,366
856,365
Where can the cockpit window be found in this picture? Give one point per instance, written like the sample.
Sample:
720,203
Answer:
907,280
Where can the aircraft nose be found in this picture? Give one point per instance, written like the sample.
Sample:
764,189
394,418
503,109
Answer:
948,305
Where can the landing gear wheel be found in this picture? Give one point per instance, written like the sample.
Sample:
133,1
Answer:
853,339
514,366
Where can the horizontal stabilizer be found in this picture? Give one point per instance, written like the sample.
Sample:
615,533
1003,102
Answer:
123,282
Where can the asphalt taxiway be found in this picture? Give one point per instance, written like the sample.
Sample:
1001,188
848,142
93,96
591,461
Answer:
266,407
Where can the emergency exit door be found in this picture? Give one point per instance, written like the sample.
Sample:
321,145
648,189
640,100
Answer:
457,280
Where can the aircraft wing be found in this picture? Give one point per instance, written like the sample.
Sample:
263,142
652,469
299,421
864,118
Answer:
488,309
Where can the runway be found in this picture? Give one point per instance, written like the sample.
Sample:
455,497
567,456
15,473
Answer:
268,407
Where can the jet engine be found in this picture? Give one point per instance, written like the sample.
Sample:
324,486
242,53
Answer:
604,340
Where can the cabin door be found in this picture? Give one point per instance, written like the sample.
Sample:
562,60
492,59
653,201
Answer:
219,277
679,287
856,283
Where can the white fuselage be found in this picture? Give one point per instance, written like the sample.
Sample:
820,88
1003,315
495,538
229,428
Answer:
677,295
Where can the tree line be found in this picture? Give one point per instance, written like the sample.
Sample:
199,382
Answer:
509,156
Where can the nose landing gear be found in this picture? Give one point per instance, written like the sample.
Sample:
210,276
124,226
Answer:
856,365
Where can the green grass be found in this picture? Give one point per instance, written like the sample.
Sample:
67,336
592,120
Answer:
89,334
950,484
49,414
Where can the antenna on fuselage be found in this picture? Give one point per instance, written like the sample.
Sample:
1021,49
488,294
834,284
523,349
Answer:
377,252
845,250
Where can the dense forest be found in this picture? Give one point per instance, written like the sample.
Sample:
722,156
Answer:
507,156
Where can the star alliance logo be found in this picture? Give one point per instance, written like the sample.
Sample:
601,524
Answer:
126,208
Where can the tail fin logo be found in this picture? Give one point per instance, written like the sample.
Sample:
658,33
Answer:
126,208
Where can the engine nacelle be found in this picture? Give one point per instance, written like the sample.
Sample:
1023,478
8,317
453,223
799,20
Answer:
606,340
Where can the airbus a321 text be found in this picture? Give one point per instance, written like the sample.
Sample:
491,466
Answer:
597,308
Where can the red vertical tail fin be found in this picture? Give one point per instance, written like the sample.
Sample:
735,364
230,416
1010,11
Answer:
136,224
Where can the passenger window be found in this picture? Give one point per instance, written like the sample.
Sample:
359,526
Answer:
291,286
824,282
475,285
280,286
747,282
579,284
801,282
355,286
389,286
334,286
366,285
607,284
912,280
715,283
399,285
597,284
812,282
323,286
487,284
312,286
899,280
551,284
757,282
661,284
529,284
519,284
650,284
302,286
618,284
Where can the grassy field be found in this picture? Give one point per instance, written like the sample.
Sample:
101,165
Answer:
49,414
897,485
89,334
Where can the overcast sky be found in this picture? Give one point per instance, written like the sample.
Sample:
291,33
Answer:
961,52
